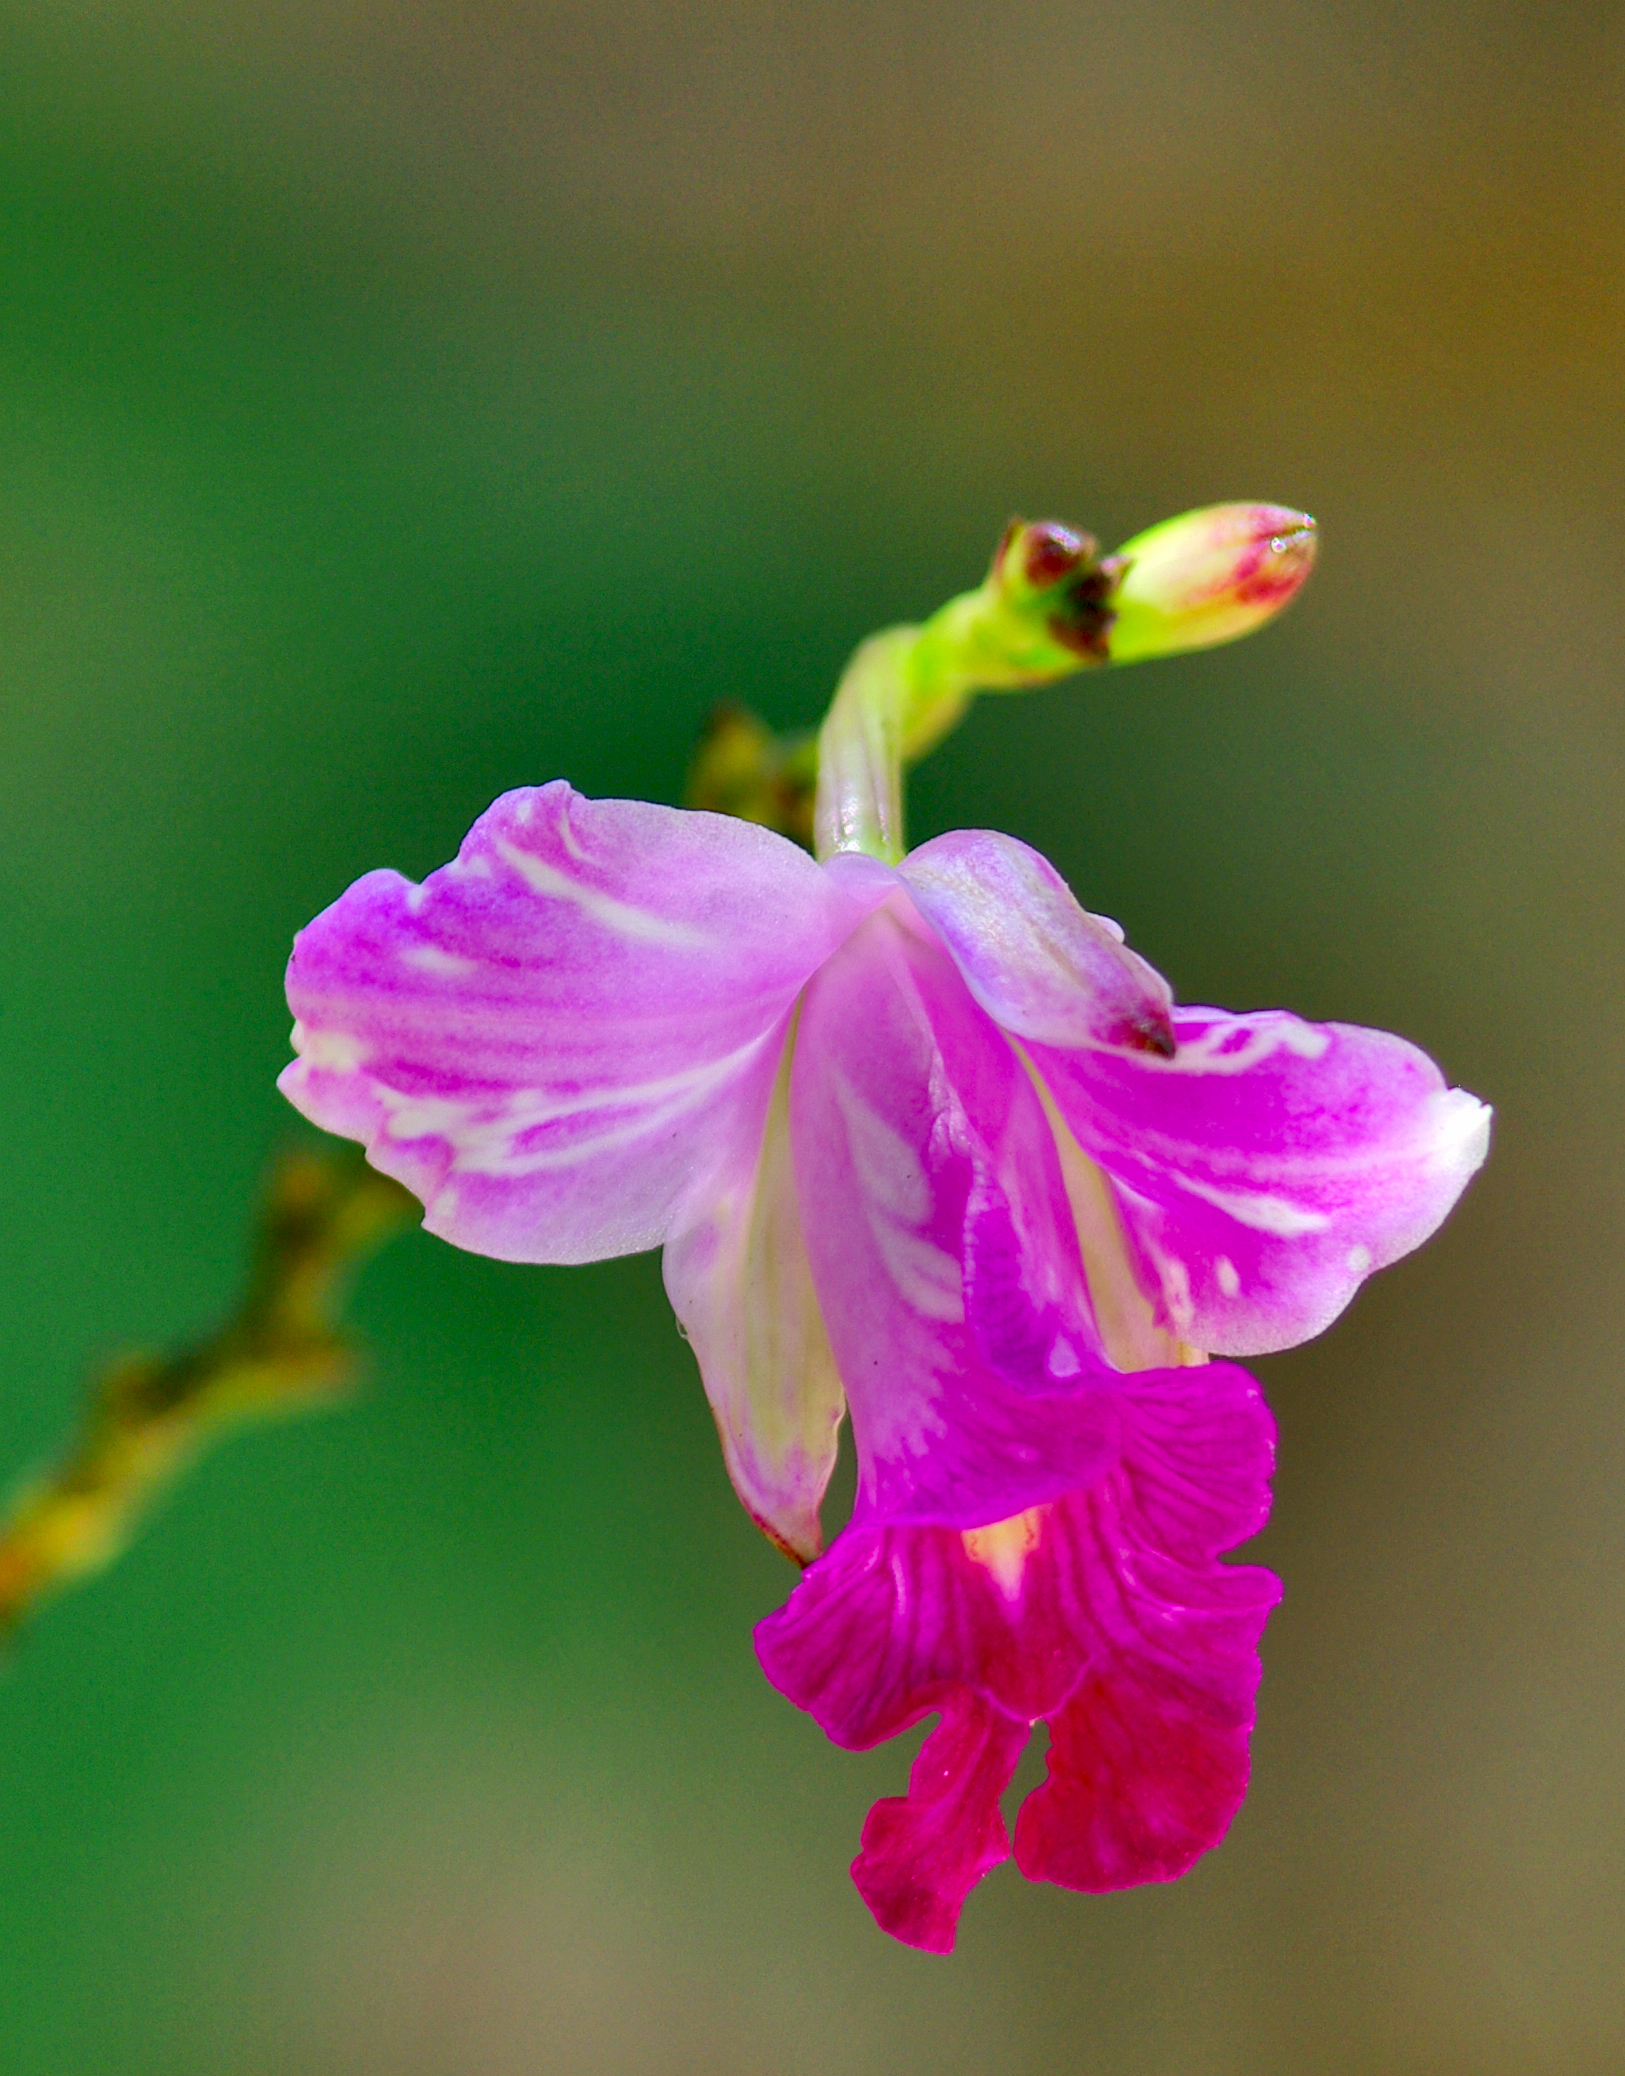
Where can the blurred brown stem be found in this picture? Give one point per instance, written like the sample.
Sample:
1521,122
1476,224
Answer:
146,1416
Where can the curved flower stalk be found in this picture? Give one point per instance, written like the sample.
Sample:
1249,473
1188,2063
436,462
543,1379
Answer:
922,1137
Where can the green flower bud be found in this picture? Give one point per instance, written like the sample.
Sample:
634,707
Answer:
1206,577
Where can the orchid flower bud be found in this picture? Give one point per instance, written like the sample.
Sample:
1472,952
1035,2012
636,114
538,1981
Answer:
1049,605
1206,577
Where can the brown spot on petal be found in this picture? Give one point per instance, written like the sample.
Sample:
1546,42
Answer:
1154,1034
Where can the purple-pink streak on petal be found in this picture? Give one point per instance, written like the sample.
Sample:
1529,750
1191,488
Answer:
1271,1165
556,1040
942,1243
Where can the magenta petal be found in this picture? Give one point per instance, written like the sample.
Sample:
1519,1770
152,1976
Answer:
556,1039
1118,1571
942,1243
1148,1757
925,1851
1040,965
1270,1165
1146,1771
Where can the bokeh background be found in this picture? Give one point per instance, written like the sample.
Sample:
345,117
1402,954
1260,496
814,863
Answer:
401,403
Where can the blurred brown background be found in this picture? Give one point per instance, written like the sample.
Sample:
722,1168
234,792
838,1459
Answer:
403,403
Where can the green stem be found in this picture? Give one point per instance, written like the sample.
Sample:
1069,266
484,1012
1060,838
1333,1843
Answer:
907,688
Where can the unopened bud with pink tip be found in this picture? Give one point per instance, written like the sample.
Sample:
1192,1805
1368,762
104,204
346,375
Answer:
1206,577
1049,605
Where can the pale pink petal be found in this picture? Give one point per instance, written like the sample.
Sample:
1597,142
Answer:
740,1282
558,1039
1132,1320
1269,1166
1040,965
943,1247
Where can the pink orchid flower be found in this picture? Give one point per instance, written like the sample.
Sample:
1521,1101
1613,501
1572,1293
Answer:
921,1137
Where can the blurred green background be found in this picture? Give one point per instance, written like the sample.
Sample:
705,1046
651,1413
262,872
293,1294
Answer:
398,404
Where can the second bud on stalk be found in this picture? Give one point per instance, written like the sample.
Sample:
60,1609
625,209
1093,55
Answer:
1206,577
